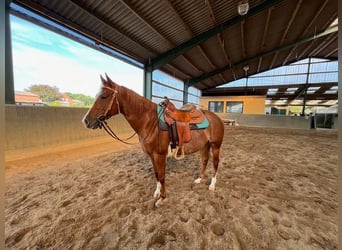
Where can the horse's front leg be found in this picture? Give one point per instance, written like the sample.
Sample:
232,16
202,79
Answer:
159,161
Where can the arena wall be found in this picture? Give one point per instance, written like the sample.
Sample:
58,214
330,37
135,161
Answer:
33,127
270,121
30,128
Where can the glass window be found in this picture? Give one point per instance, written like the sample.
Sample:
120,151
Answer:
216,107
319,70
193,99
323,77
193,95
168,80
159,90
234,107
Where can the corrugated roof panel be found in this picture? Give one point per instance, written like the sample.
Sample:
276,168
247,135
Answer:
232,42
142,31
214,52
163,19
196,57
253,46
184,66
226,10
195,14
147,29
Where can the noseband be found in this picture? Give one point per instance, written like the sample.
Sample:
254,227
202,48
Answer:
102,118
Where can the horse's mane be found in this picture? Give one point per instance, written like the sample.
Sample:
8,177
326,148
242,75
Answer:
140,102
137,99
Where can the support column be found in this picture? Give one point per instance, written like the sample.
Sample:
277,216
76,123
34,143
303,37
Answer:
185,93
148,81
2,119
304,100
9,83
306,88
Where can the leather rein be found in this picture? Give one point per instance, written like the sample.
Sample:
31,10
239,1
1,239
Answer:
102,118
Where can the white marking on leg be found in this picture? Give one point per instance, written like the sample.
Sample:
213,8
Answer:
198,180
212,184
157,192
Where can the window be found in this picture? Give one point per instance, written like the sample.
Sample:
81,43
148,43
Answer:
166,85
275,111
234,107
216,107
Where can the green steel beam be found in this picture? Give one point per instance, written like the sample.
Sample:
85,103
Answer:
148,81
195,80
9,83
181,49
185,93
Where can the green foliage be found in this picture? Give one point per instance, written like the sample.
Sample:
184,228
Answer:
51,96
295,109
87,100
55,104
46,93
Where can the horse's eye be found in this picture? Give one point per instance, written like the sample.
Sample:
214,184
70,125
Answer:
103,97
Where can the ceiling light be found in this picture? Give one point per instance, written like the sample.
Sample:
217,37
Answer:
243,7
246,68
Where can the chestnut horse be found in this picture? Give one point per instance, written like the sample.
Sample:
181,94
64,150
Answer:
141,114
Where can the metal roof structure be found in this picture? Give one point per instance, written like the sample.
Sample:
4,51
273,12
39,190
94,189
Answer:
205,43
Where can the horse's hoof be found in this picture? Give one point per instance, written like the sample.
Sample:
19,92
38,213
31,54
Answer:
160,202
212,187
212,184
198,180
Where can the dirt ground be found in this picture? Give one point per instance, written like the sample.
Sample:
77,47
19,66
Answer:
276,189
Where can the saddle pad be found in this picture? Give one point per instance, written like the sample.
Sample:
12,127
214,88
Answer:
193,126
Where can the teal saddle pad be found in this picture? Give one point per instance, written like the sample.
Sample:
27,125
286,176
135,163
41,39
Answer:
193,126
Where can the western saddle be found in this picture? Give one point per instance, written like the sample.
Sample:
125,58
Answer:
179,121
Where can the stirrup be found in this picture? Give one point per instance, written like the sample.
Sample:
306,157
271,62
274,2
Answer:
175,153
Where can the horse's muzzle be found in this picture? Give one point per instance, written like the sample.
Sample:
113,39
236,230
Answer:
90,124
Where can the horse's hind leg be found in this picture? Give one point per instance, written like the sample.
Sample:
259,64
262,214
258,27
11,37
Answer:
204,157
216,159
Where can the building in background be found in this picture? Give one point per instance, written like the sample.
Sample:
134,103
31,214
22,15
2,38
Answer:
27,98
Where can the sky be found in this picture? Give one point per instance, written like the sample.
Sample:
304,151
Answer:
41,56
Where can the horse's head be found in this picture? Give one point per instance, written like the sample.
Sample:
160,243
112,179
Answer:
105,106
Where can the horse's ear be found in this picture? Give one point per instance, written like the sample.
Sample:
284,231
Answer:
109,81
102,80
106,82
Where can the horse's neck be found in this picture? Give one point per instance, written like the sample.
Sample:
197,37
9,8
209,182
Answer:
138,111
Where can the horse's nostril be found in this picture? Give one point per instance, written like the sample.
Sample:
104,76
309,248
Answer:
102,118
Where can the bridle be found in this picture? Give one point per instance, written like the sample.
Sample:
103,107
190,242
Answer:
102,118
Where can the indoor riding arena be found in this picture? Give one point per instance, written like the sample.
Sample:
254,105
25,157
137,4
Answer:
276,189
266,69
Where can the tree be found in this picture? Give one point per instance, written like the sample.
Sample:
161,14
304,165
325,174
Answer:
45,92
87,100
